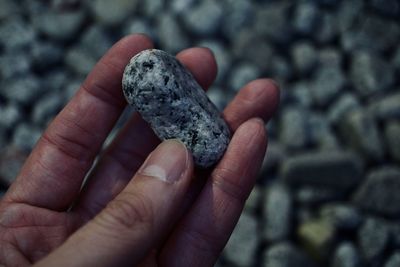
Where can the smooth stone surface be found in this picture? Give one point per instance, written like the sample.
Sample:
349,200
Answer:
346,255
173,103
285,255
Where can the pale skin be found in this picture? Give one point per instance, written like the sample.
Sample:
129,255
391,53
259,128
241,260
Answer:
164,213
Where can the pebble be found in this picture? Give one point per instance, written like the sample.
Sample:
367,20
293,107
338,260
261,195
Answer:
79,61
95,40
16,34
360,130
345,104
23,90
293,126
327,29
305,18
201,24
140,26
177,106
394,260
373,237
317,237
223,58
253,201
370,74
392,133
285,255
342,216
380,192
274,156
60,25
14,64
111,13
346,255
46,54
321,132
277,213
237,16
333,169
243,242
241,74
327,83
386,108
170,33
304,57
10,115
310,195
46,108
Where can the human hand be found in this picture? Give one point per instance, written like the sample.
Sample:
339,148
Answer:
182,218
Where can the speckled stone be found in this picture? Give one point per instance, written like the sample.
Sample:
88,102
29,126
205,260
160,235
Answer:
173,103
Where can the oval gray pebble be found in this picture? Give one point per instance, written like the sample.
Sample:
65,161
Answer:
168,97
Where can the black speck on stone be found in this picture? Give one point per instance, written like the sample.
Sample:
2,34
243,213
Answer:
168,97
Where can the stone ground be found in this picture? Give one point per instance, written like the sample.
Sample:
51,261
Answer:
329,191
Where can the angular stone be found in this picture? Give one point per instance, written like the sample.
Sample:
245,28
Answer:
333,169
380,192
373,237
277,211
242,245
346,255
169,98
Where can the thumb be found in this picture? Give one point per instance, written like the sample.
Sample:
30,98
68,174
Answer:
137,219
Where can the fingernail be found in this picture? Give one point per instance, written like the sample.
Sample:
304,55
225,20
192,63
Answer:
167,162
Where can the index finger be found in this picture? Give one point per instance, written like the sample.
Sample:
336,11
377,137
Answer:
53,174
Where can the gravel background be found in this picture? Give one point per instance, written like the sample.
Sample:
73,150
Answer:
329,192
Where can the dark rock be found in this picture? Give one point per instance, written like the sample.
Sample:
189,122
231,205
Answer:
342,216
360,130
373,237
380,192
330,57
392,134
327,28
177,106
346,255
11,161
46,54
306,17
300,93
274,156
321,132
277,211
113,12
332,169
370,74
8,9
253,201
14,64
345,104
237,15
311,195
241,247
219,97
387,107
285,255
327,82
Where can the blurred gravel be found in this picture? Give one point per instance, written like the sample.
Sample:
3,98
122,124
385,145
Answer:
329,190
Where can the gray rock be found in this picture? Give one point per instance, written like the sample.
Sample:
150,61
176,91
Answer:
300,93
14,64
279,68
379,193
11,161
55,80
393,260
305,17
241,74
16,34
171,36
113,12
181,6
46,108
321,132
346,255
95,41
311,195
8,9
237,15
241,247
79,61
285,255
253,201
204,18
333,169
293,128
10,114
317,237
327,28
59,25
71,88
277,213
23,90
396,58
345,104
330,56
45,54
218,97
153,8
392,133
386,108
373,237
25,136
274,156
222,56
327,82
304,57
177,106
140,26
361,132
370,74
342,216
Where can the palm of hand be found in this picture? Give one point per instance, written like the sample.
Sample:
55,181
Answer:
46,205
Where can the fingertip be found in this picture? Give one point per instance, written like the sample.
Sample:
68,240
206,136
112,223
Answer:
201,63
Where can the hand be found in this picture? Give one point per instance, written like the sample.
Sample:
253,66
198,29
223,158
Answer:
166,214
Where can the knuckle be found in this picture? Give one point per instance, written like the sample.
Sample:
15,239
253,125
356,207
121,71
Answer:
130,210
